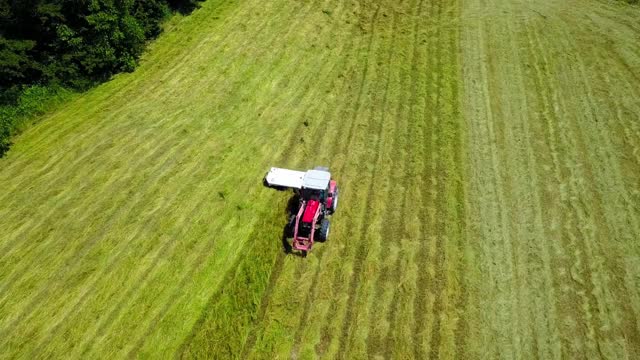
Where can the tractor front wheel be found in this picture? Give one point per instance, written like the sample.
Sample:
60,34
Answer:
323,232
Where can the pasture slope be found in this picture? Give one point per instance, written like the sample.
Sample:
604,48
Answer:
488,154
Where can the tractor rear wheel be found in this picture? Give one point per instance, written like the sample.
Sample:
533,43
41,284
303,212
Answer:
323,232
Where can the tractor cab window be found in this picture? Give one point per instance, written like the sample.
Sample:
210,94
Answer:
309,194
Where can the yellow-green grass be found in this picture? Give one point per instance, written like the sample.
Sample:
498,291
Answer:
488,158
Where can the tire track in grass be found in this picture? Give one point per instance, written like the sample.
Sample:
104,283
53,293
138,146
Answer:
506,263
88,199
487,219
509,102
454,204
440,176
465,334
461,332
498,128
423,278
507,267
518,193
509,186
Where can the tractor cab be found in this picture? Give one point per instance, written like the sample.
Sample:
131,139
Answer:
318,186
315,185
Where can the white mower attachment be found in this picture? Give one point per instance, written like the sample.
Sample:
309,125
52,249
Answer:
282,179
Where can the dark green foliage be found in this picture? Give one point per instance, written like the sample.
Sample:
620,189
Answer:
72,43
5,135
75,42
147,14
15,63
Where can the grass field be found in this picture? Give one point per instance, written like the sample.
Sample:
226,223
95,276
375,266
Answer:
488,154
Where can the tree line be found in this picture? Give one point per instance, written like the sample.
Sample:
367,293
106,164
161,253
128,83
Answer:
62,44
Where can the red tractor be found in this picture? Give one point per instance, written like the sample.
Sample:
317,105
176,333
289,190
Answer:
318,198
